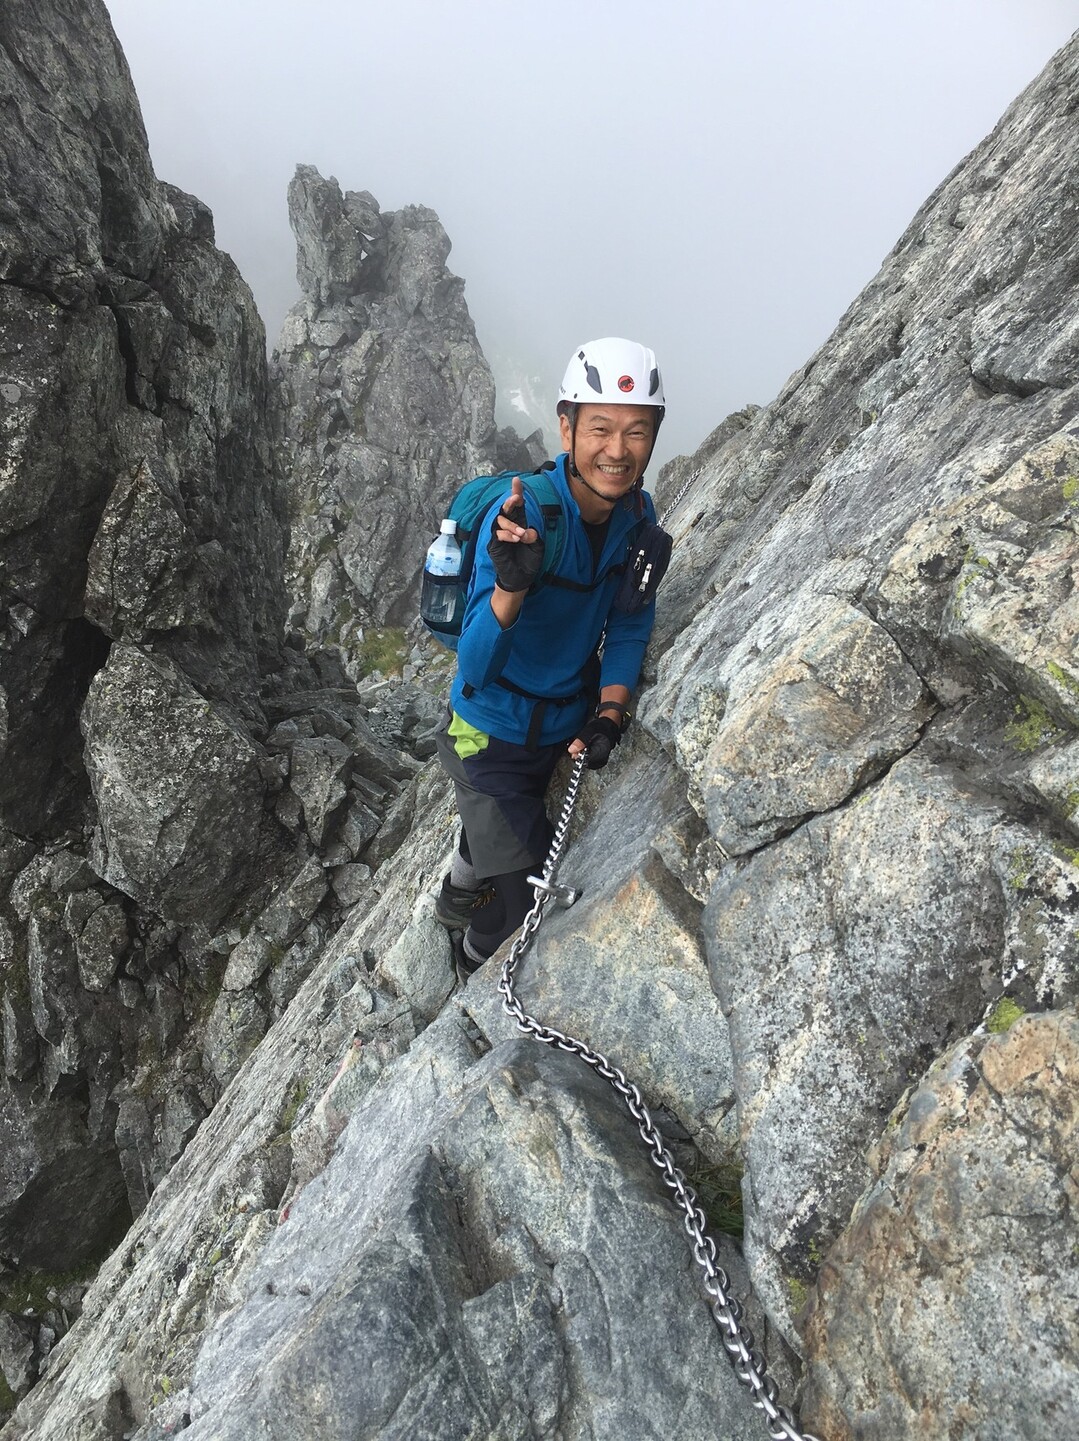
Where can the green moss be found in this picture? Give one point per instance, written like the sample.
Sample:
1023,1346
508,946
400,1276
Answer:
28,1290
1067,853
719,1190
970,558
1071,803
1071,489
1033,726
296,1100
1005,1014
799,1293
384,650
1021,868
1062,677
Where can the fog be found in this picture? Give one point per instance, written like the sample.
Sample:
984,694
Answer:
717,180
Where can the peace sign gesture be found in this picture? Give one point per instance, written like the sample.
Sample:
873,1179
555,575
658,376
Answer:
515,546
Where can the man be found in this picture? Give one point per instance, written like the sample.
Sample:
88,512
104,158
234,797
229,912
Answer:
525,691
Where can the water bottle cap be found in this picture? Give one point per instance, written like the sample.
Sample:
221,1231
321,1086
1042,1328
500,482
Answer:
448,527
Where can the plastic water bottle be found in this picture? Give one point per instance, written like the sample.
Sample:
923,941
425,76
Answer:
439,598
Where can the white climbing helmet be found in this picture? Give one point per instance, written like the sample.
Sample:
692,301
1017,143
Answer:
612,371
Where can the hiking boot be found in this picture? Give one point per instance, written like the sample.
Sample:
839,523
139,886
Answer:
464,964
456,907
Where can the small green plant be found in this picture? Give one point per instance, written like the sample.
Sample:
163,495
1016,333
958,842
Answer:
1021,869
1005,1014
1067,853
1063,677
162,1393
295,1101
1071,489
384,650
799,1293
971,558
1033,726
719,1189
28,1291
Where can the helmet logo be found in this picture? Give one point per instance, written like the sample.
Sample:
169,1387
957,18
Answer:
625,383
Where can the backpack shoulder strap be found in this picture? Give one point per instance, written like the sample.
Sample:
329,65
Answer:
542,489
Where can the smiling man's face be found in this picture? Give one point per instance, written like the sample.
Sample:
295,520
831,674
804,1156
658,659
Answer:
611,446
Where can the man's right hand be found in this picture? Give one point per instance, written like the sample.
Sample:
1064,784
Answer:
515,547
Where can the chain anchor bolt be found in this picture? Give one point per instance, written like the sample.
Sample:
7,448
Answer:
563,896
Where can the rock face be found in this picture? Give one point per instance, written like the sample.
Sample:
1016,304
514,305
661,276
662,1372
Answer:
828,925
969,1224
875,708
146,810
387,406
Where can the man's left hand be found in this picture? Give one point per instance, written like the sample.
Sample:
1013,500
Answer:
597,738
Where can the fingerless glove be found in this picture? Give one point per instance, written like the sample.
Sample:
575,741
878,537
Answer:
600,735
517,563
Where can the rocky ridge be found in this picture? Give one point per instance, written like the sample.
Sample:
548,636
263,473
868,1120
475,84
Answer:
387,404
828,924
185,800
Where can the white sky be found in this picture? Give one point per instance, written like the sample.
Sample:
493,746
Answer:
718,180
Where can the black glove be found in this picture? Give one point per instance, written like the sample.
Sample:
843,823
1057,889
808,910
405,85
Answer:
600,735
517,563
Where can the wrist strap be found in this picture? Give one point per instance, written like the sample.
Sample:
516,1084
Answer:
623,711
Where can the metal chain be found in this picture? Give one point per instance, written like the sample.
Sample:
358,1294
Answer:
749,1365
677,501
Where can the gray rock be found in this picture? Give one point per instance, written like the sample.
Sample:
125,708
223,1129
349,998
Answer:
351,883
17,1368
419,966
319,777
338,244
380,429
178,791
276,927
809,706
846,958
624,968
970,1222
1054,781
52,971
140,570
238,1021
62,1194
972,575
20,1038
100,946
528,1326
91,193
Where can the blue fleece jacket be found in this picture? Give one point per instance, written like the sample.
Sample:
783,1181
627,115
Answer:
546,649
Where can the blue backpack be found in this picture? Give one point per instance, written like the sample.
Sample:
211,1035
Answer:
472,509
